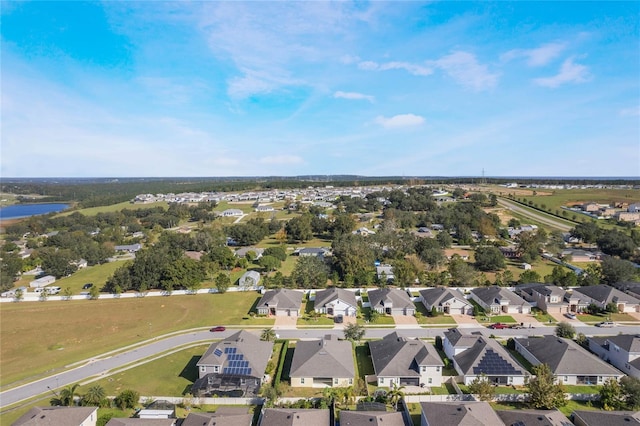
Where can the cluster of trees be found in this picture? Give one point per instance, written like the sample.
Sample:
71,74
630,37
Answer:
623,395
95,397
611,241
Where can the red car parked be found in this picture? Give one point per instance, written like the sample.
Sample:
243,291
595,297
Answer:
218,328
498,326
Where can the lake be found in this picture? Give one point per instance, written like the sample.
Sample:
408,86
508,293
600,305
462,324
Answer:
17,211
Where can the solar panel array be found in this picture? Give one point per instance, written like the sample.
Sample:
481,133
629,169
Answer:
235,357
217,352
242,371
230,350
493,364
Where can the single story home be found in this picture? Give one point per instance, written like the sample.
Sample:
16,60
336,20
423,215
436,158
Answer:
232,213
129,248
294,417
608,418
602,295
458,414
227,416
242,252
402,361
233,366
136,421
327,362
489,358
67,416
372,418
336,301
533,417
569,362
497,300
391,301
446,300
42,281
280,302
385,272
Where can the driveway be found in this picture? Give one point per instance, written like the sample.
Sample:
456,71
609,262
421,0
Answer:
345,320
465,321
526,319
636,315
285,322
560,317
405,321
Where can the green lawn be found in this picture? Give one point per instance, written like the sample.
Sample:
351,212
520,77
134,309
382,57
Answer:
507,319
426,317
97,275
381,319
581,389
92,211
501,390
364,365
543,317
605,317
55,333
448,369
171,375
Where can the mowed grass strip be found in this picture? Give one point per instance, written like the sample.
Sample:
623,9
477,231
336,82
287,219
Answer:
39,337
92,211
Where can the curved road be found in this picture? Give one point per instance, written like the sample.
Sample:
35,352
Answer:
540,217
103,365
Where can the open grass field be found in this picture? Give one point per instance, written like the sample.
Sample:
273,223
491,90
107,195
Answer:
55,334
171,375
605,317
98,275
426,317
569,197
92,211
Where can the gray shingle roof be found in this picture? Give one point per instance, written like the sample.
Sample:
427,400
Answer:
489,357
382,297
397,356
295,417
55,416
606,294
333,293
460,414
565,357
609,418
371,418
254,350
628,342
141,422
533,418
218,419
494,294
439,295
281,298
457,339
327,357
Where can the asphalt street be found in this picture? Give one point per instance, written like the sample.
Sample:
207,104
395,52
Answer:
540,217
101,366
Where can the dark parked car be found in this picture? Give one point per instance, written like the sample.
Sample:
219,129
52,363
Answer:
218,328
338,319
498,326
87,286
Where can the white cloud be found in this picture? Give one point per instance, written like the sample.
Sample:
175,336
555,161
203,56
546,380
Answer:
465,69
631,112
353,96
400,120
281,159
570,72
413,69
536,57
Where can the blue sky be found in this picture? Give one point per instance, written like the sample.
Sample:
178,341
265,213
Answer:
152,88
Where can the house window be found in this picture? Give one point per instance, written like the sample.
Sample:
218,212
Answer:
203,368
302,380
243,381
381,379
424,368
335,381
430,380
566,378
438,368
216,368
510,379
350,381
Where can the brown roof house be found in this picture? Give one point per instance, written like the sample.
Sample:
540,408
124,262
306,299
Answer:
59,416
372,418
327,362
233,367
458,414
295,417
280,302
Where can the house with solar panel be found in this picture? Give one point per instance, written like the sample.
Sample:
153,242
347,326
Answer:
489,358
234,366
327,362
568,361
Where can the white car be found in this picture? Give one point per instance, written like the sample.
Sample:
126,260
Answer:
606,324
570,315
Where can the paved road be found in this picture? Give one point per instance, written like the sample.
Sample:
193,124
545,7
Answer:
539,217
101,366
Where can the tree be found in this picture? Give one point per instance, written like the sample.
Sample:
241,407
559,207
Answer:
67,395
94,292
615,270
489,258
354,332
544,393
394,395
482,387
268,335
279,253
269,263
586,231
529,276
462,273
566,330
95,396
299,228
67,293
592,275
222,282
611,396
128,398
444,239
310,272
631,391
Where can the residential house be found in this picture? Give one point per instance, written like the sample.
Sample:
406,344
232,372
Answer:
533,418
581,256
391,301
234,366
402,361
602,295
385,273
129,248
320,252
327,362
249,280
242,252
547,297
59,416
630,287
42,281
455,342
623,351
136,421
497,300
372,418
336,301
489,358
232,213
227,416
569,362
446,300
280,302
160,409
264,209
608,418
474,413
295,417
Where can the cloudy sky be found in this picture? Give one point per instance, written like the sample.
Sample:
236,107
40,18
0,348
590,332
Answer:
151,88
